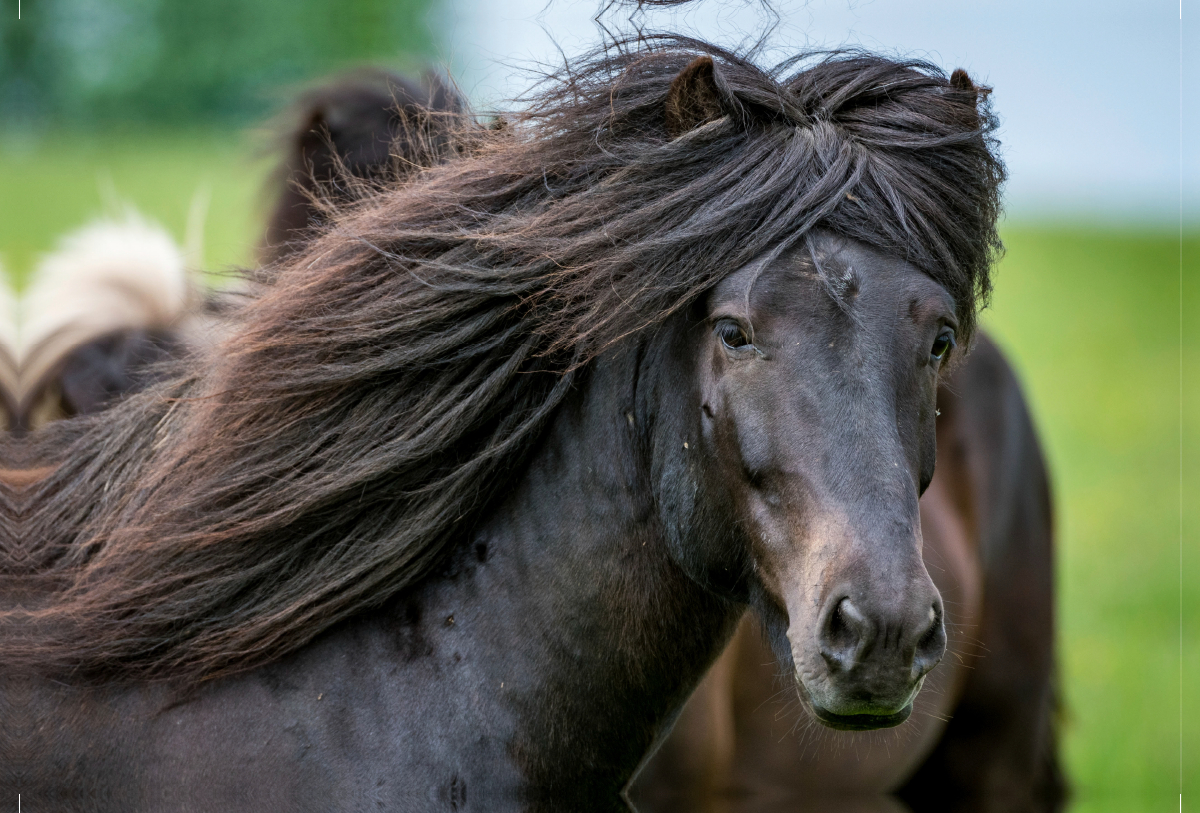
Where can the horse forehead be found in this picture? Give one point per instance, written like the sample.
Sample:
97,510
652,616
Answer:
850,277
792,275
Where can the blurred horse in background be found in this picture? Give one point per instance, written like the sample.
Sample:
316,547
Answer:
113,301
116,300
347,135
9,381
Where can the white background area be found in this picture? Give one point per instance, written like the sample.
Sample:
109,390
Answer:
1088,93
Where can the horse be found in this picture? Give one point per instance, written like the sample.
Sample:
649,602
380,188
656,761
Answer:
110,303
365,126
991,490
115,300
476,490
8,354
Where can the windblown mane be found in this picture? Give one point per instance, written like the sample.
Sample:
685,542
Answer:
361,415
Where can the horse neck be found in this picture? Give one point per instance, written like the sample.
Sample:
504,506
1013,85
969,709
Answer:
617,634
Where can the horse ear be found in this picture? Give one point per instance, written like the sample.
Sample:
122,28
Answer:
693,98
960,80
314,134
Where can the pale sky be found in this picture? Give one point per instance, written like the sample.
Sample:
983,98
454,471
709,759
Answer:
1088,93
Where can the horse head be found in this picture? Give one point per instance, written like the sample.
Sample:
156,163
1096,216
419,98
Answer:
789,477
810,439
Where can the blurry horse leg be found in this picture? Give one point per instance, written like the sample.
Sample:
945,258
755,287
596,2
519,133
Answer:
1000,750
691,771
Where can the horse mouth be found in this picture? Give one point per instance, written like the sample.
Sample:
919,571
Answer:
861,722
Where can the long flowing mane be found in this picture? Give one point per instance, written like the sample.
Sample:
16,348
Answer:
359,418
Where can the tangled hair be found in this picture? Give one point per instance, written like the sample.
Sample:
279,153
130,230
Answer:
362,415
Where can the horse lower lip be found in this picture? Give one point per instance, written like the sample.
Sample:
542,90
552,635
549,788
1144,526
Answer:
861,722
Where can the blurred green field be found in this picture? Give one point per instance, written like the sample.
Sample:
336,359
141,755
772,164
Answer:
55,184
1090,317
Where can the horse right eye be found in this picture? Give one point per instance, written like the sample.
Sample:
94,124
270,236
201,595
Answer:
732,334
942,345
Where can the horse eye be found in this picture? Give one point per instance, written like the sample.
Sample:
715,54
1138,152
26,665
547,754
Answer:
732,335
942,344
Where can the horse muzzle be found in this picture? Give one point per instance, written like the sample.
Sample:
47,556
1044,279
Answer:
867,664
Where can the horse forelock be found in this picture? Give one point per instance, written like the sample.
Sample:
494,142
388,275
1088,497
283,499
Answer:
356,424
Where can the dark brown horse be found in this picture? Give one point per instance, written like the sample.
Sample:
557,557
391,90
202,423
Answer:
475,492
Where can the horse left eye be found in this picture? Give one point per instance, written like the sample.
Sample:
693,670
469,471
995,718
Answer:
942,344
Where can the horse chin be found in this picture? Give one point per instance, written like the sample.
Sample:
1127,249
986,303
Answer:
861,722
858,715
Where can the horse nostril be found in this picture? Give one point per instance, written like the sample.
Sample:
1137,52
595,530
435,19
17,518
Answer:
932,644
842,640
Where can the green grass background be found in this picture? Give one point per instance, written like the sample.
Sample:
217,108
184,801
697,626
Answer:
56,183
1090,317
